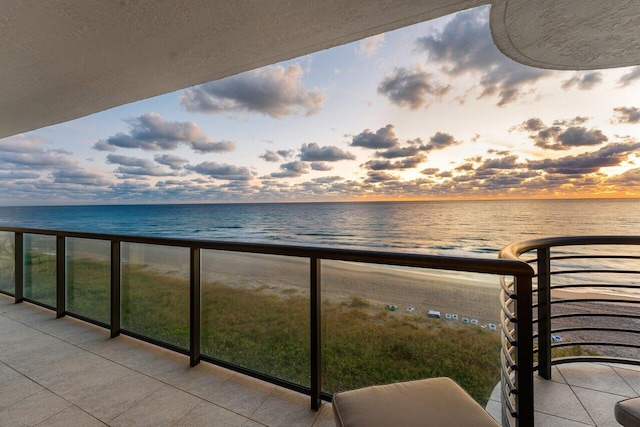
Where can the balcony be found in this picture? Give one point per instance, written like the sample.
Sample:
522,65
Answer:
50,359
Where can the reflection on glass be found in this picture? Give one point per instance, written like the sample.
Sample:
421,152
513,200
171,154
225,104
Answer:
383,324
7,262
155,292
89,278
40,268
255,312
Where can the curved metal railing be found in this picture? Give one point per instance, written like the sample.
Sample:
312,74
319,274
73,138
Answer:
583,302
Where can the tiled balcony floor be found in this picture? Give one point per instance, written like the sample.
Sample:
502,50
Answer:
66,372
579,394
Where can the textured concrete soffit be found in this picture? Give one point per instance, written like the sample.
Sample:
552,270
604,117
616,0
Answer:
70,58
568,34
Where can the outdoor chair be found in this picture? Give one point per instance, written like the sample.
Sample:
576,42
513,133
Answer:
434,402
628,412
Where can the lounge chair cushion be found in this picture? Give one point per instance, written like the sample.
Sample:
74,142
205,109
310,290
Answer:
628,412
432,402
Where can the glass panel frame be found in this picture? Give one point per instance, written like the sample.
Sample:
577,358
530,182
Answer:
40,268
88,280
255,313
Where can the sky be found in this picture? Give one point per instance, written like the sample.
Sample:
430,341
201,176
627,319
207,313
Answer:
428,112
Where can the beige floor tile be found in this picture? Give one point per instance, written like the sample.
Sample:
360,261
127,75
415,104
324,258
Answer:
70,368
545,420
208,414
71,417
106,397
16,389
251,423
595,377
201,380
32,410
599,405
73,331
283,408
558,399
629,375
325,417
494,408
142,357
241,394
164,407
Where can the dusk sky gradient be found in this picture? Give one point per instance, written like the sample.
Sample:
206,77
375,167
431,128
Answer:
431,111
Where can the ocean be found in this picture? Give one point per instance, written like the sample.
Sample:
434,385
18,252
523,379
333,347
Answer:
454,228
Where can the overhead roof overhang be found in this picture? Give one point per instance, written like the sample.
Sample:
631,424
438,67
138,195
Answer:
69,58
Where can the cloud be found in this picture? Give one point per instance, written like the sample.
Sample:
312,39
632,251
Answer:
78,176
440,141
577,120
213,147
378,176
151,132
22,144
412,88
369,46
174,162
508,162
610,155
628,178
38,160
292,170
465,46
136,166
321,166
327,179
393,153
583,80
270,156
627,115
629,77
222,171
561,137
430,171
383,138
273,91
313,152
406,163
12,175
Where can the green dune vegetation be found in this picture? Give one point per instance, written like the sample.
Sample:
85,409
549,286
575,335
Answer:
267,329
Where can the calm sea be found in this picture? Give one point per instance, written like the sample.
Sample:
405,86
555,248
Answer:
478,228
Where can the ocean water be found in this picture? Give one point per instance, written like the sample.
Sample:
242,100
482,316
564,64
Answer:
455,228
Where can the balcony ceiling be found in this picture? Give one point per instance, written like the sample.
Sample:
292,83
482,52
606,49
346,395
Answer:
69,58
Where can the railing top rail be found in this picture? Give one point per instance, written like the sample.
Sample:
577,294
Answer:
514,250
473,265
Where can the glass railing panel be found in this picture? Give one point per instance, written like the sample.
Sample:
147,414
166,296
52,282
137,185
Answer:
155,292
40,268
89,278
383,324
255,312
7,262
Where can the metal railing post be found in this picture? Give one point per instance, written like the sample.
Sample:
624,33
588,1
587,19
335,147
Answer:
19,267
61,277
524,355
316,335
115,288
194,297
544,312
